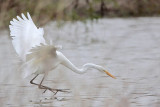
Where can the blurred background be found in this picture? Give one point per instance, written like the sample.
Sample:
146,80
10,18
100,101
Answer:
44,11
121,35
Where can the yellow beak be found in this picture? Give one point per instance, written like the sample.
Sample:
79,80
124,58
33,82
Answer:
109,74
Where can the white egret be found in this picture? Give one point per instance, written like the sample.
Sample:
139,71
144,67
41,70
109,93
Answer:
40,57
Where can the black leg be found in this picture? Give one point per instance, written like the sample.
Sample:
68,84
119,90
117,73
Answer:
40,86
50,89
34,79
36,83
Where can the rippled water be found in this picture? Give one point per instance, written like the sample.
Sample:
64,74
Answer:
128,47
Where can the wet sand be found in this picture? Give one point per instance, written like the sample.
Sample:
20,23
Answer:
129,48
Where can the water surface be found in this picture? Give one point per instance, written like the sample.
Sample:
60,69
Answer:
129,48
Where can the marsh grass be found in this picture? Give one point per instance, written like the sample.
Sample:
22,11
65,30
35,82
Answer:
43,11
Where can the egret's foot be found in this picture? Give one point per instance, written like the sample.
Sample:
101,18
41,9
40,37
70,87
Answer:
55,91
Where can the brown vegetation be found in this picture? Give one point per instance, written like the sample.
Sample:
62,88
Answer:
46,10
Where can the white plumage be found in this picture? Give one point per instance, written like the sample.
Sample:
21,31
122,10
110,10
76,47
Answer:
25,35
40,57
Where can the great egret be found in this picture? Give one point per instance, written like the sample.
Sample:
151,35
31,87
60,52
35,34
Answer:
40,57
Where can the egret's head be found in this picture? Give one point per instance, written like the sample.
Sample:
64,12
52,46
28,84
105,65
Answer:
99,68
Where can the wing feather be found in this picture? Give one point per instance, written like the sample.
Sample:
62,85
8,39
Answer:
25,35
24,17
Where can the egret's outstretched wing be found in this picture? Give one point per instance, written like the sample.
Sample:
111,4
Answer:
25,35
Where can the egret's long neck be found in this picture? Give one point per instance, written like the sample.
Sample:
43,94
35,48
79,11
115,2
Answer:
71,66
